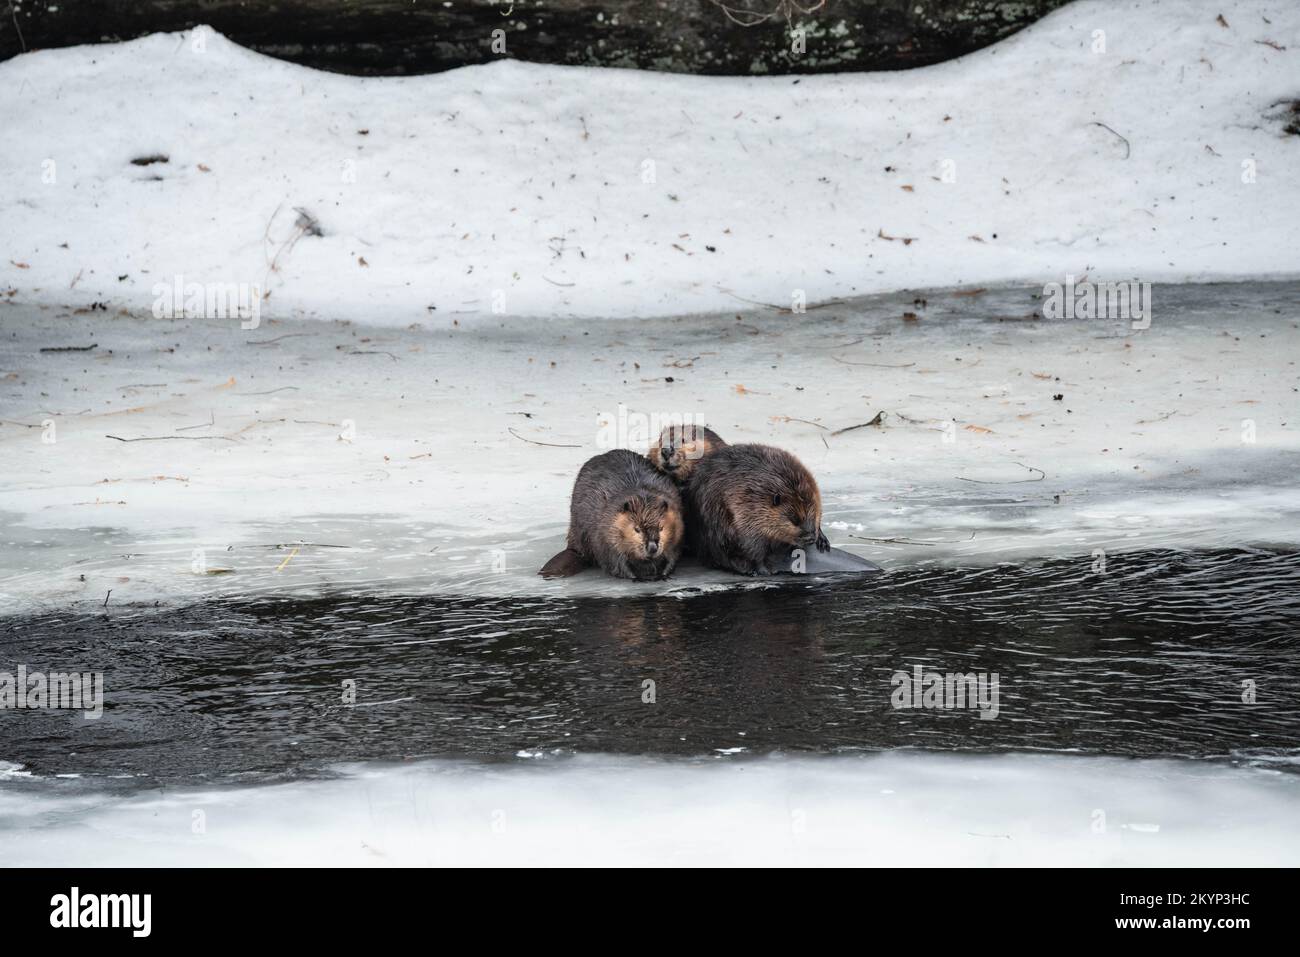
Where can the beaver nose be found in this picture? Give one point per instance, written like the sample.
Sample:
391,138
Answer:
651,548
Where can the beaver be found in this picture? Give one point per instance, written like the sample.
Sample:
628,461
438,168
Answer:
681,447
748,506
625,517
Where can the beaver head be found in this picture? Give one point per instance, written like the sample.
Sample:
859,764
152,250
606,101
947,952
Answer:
680,448
648,527
779,501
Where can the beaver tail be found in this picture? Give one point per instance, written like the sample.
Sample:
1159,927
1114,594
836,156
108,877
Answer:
564,564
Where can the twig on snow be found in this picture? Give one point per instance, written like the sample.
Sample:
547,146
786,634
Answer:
1041,475
876,365
174,438
1127,148
878,422
552,445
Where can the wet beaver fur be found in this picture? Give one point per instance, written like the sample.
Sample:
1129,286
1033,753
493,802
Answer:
625,517
680,449
748,506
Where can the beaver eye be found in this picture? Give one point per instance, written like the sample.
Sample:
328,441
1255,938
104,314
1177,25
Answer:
776,500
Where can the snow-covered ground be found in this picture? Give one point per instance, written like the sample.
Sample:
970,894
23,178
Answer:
1118,139
901,810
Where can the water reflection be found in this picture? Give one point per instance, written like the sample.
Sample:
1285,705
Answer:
1160,655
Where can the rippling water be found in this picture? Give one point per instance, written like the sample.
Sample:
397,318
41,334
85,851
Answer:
1148,658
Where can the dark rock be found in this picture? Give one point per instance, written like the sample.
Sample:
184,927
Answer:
426,36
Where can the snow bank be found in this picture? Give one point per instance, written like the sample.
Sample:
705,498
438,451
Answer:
891,809
1114,139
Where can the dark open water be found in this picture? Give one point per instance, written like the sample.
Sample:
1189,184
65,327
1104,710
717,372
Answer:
1148,659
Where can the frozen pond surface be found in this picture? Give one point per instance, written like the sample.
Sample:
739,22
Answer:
415,449
349,504
897,809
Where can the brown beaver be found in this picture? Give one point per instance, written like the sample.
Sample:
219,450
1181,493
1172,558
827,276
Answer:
748,506
625,517
681,447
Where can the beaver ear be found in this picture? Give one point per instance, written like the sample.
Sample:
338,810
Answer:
627,506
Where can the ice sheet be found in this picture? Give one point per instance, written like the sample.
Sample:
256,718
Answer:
907,810
442,462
